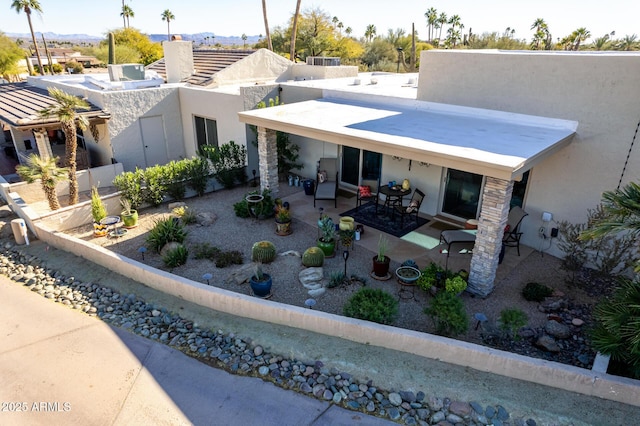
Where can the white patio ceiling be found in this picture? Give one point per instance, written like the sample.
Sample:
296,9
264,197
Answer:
491,143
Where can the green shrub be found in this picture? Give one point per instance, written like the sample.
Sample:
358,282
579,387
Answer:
166,231
206,251
430,274
617,325
372,305
155,185
130,185
176,257
226,258
175,178
198,174
534,292
455,285
228,162
512,320
186,215
448,314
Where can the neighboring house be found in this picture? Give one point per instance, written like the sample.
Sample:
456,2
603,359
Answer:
25,132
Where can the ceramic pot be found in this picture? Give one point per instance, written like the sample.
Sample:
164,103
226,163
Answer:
327,248
346,223
261,288
130,220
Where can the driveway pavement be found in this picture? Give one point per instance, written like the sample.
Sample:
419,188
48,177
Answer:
61,367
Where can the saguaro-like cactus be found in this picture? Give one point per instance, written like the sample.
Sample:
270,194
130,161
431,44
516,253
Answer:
112,49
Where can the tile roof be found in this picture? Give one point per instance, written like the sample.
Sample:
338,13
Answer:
20,103
206,62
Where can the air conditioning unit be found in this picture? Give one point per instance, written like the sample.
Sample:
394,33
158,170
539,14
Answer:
323,61
126,72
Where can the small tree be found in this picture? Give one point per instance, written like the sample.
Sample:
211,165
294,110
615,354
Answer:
48,173
65,108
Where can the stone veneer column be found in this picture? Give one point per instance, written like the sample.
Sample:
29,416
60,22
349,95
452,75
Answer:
486,252
268,159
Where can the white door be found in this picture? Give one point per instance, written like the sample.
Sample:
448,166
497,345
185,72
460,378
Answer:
154,142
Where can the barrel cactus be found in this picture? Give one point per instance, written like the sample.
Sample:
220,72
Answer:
263,252
313,257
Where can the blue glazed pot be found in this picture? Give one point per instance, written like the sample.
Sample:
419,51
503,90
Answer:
261,288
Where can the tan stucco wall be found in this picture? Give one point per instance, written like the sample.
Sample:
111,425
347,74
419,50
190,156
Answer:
316,72
218,106
261,66
600,91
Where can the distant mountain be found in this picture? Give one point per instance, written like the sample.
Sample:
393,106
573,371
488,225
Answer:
54,36
201,38
198,38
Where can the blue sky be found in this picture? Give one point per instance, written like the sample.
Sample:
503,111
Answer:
235,17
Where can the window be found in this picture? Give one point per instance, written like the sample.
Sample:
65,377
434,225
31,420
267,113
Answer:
206,132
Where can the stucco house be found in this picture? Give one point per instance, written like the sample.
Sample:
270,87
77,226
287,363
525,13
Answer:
477,131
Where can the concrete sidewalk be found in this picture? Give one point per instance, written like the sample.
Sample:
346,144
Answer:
59,366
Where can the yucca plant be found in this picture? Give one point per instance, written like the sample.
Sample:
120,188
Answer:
166,231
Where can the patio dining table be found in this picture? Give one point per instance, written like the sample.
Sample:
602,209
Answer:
393,196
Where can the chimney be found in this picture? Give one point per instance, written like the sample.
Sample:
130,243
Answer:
178,60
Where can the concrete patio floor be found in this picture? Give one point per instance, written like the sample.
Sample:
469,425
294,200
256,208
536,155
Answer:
398,249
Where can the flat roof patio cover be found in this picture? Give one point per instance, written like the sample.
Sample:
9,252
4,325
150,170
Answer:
492,143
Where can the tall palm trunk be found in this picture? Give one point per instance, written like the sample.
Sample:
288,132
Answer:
124,17
266,24
71,146
294,29
35,43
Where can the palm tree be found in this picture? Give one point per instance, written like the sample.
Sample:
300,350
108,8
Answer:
432,18
64,108
27,6
581,34
442,19
628,43
266,24
49,174
127,13
370,32
454,34
348,31
244,40
168,16
294,30
621,210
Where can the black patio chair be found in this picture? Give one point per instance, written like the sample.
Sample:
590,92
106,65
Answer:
367,191
412,208
512,232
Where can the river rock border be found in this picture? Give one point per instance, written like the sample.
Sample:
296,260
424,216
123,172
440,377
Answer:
242,355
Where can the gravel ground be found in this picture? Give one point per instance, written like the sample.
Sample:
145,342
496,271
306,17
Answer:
230,232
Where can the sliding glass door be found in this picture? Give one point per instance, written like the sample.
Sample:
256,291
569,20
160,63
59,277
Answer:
358,163
462,194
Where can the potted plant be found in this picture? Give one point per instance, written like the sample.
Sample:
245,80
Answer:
260,282
283,220
129,215
98,212
326,242
381,261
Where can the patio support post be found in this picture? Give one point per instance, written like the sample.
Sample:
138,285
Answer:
486,252
268,159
